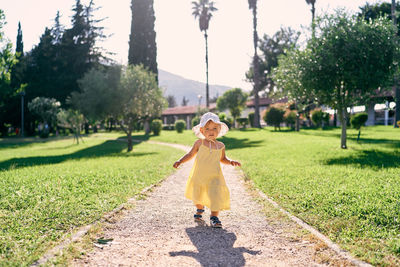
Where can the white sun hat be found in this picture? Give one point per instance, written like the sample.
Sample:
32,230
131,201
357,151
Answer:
209,116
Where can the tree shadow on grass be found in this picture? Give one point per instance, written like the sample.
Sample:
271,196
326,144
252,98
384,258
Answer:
234,143
369,159
382,142
109,148
215,247
390,143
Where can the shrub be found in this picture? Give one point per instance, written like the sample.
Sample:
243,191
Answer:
156,126
195,121
222,116
319,117
357,121
251,119
290,119
180,125
243,122
274,116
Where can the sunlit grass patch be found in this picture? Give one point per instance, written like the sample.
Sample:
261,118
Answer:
48,189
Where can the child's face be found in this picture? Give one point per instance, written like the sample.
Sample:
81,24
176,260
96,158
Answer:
210,130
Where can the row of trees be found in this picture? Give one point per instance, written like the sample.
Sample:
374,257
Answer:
54,66
67,68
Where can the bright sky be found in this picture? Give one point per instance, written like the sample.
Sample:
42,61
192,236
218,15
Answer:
180,44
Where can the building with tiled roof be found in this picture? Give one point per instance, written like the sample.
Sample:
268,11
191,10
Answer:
187,113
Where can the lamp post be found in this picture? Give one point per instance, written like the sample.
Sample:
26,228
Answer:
22,113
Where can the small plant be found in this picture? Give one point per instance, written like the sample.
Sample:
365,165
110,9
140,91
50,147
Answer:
357,121
156,126
243,122
290,119
180,125
274,116
398,123
195,121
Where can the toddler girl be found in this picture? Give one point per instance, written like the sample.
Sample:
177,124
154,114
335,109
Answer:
206,185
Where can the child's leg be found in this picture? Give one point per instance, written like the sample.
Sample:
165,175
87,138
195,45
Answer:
214,213
199,207
215,222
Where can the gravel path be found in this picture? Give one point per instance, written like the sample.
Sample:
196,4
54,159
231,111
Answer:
160,231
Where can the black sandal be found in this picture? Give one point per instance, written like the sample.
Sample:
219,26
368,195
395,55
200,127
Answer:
215,222
198,217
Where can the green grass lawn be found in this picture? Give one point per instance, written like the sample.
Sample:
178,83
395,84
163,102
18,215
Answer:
352,196
49,188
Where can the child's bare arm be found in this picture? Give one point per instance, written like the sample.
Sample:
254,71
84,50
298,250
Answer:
189,155
225,160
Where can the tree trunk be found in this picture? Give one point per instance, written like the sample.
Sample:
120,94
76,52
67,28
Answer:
146,127
86,128
207,89
343,122
297,117
255,71
396,86
313,19
358,136
130,145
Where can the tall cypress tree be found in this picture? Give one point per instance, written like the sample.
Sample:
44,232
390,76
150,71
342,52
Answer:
17,70
142,41
20,44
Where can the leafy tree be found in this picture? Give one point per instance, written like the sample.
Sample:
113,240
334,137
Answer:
256,63
77,51
7,61
171,101
345,62
357,121
97,97
271,48
392,12
203,9
46,109
142,40
274,116
234,100
139,99
73,120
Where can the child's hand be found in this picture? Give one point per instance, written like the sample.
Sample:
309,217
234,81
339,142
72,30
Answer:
176,164
235,163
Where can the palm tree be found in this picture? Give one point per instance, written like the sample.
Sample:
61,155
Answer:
253,7
312,3
203,9
396,86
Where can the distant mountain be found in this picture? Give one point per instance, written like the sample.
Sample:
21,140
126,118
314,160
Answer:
179,87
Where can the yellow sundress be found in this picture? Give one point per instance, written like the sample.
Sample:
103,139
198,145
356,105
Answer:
206,184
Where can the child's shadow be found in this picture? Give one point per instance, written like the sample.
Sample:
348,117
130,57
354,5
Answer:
215,247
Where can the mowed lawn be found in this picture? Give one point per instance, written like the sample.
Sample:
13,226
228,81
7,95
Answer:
49,188
352,196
